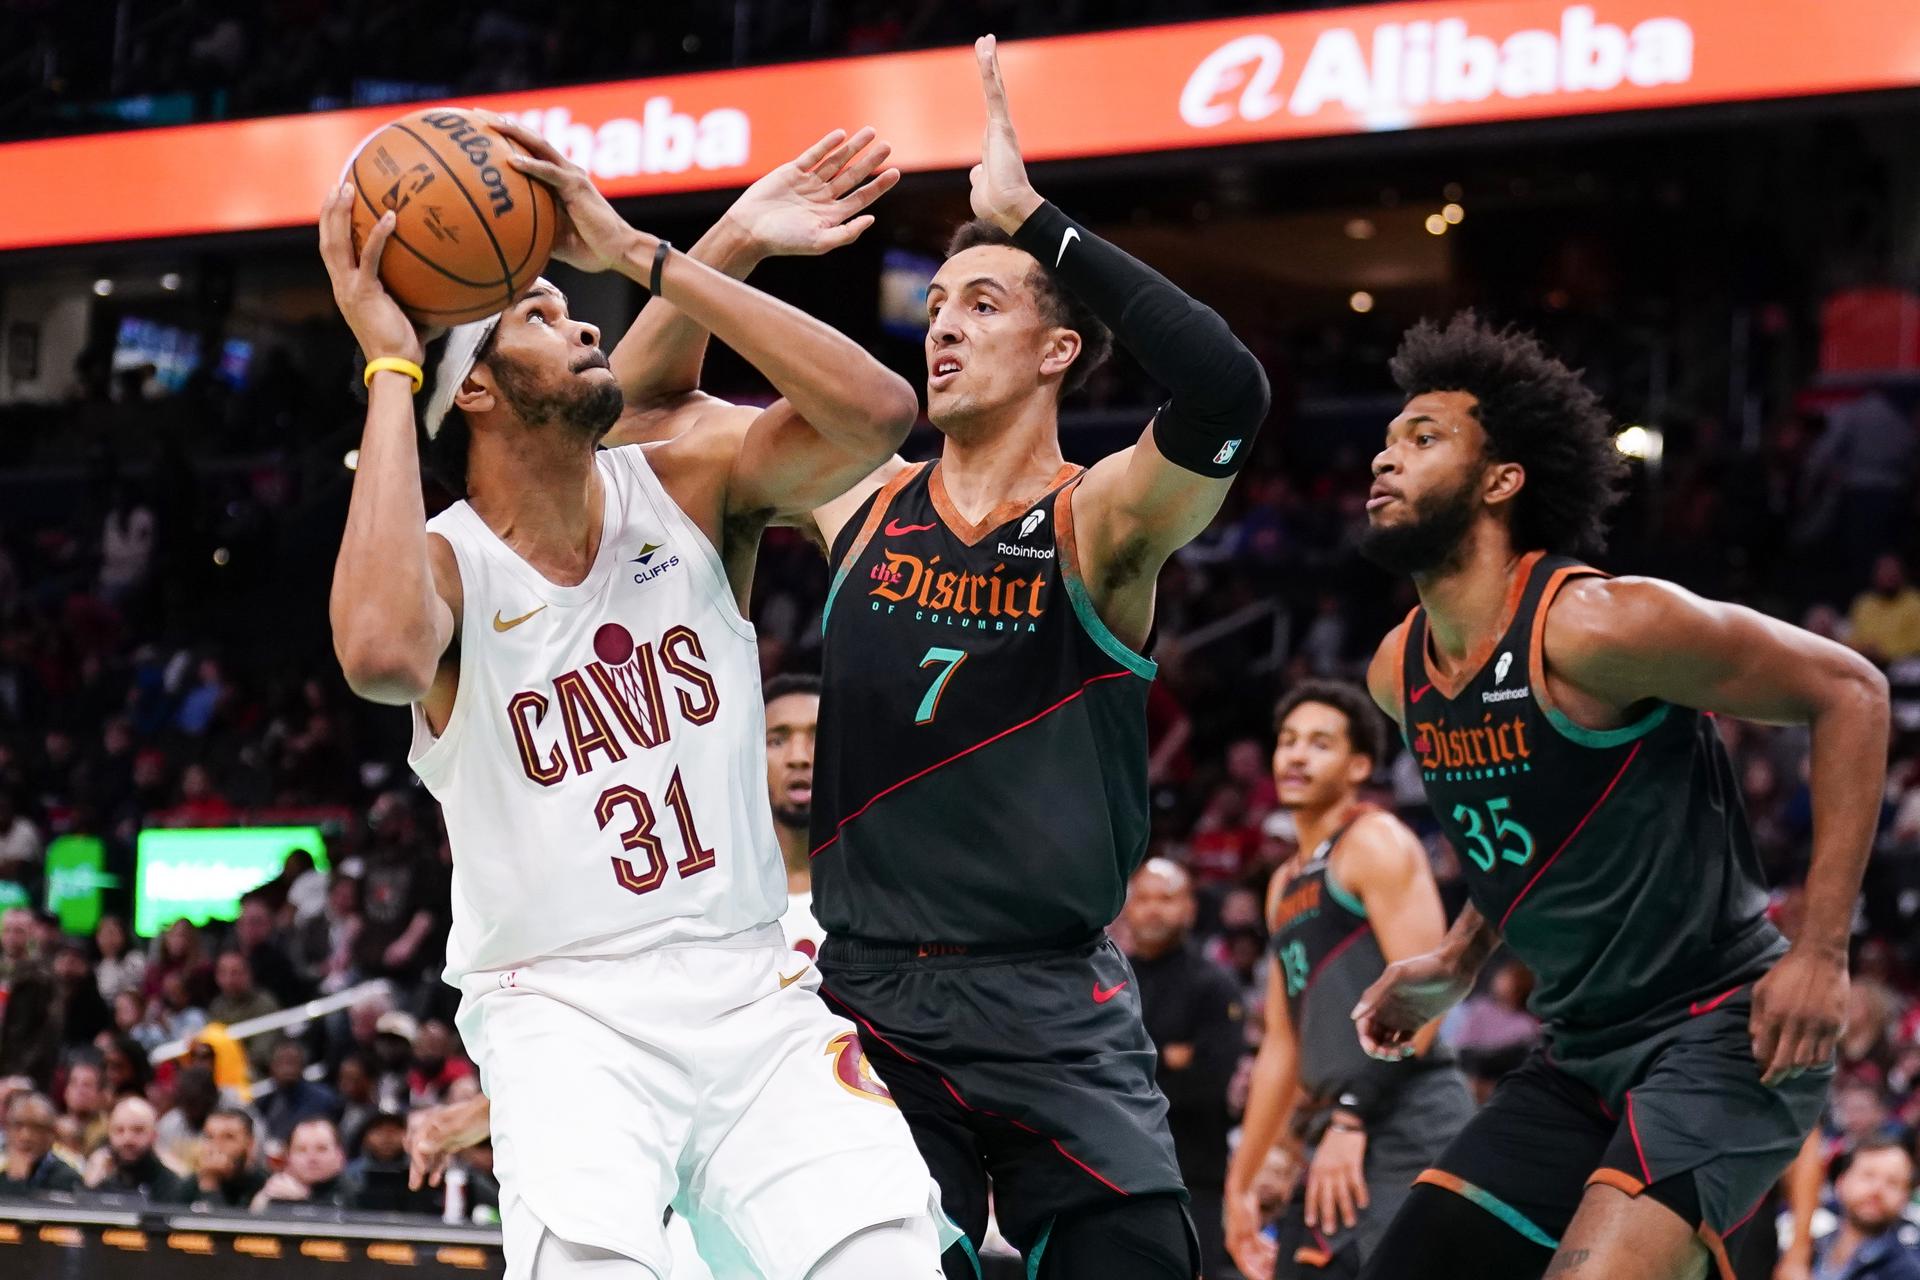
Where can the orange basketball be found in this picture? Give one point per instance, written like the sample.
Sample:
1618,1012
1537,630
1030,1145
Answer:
471,230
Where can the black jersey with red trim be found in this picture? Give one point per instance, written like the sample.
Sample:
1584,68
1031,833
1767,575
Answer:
981,772
1617,864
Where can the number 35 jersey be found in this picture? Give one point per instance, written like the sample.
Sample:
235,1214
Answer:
1616,863
603,774
981,775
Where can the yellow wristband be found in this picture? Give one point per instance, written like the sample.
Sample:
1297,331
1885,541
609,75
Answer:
398,365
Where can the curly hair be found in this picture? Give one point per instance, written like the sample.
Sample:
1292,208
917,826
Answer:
1058,305
1536,412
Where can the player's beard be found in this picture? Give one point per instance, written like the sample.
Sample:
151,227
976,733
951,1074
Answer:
1432,538
588,408
793,817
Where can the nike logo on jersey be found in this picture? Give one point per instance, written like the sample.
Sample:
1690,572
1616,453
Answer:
786,982
1419,693
1067,237
508,624
894,528
1103,994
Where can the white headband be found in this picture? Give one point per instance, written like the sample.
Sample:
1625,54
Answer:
462,352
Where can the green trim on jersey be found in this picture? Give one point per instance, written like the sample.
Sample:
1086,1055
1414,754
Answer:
1607,737
1340,895
826,609
1039,1248
1096,629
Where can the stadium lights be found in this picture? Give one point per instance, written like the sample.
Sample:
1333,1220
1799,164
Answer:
102,288
1646,444
1436,225
220,556
170,281
352,460
1360,228
1453,213
1361,301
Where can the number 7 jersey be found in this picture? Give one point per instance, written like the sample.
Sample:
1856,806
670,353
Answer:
1617,864
603,774
981,771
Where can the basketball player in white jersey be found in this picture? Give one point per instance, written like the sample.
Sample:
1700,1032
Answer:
586,708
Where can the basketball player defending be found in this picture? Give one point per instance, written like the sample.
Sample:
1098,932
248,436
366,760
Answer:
1562,723
970,849
1358,894
587,711
793,724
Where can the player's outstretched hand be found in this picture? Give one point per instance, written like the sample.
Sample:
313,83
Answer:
1409,995
378,323
1799,1008
438,1132
590,236
1001,192
816,202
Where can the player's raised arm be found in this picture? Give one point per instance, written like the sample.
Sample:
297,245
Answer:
1629,641
811,205
841,412
1142,504
391,624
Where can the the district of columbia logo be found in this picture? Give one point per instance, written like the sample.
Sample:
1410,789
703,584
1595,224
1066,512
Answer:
1500,670
648,569
1226,453
1032,521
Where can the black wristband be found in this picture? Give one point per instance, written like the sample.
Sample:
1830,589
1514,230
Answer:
660,253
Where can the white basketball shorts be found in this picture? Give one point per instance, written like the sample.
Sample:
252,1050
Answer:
707,1076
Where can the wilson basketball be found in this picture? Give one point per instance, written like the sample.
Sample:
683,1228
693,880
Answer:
471,229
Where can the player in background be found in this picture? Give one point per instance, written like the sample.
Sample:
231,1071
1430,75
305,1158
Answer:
793,723
616,875
1358,894
1562,721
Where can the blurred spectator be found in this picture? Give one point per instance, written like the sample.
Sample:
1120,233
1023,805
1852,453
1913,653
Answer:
272,968
16,944
226,1175
30,1018
1884,622
178,1135
435,1065
20,844
200,804
294,1099
1221,848
377,1180
126,546
123,1064
399,889
128,1163
1193,1014
31,1164
323,943
86,1101
1492,1030
83,1014
315,1163
358,1103
182,951
1860,1111
195,717
118,969
174,1016
306,887
1873,1186
238,1001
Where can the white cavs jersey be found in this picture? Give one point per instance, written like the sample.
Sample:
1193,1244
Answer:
603,772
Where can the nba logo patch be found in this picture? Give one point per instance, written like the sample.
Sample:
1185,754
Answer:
1226,453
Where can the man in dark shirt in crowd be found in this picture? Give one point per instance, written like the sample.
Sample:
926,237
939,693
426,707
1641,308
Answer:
398,895
377,1181
1873,1184
228,1177
127,1165
30,1026
31,1164
1192,1009
295,1099
273,969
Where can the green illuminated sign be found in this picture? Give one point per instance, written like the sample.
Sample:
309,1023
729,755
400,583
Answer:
75,876
201,873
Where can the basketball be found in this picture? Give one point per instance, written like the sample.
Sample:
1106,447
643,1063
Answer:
471,230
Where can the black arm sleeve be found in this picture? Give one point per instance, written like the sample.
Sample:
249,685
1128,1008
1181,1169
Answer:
1219,394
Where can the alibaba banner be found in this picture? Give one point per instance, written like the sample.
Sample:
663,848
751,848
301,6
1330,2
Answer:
1244,80
201,873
